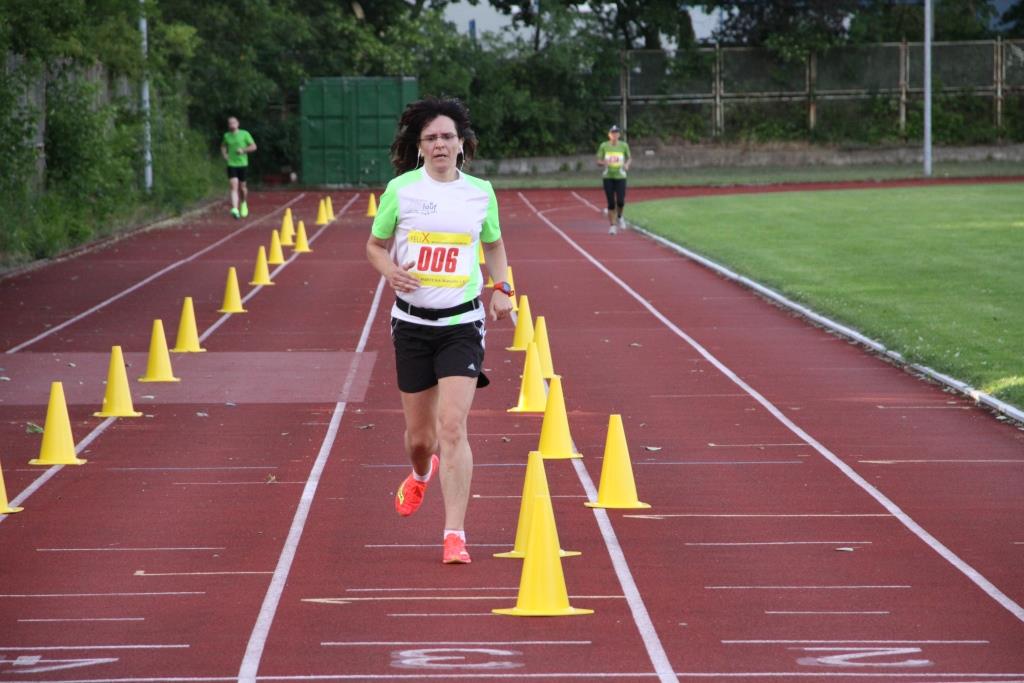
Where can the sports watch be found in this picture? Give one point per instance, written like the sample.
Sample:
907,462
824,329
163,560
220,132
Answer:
504,287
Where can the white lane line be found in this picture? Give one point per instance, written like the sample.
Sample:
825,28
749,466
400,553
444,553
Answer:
255,290
652,643
190,469
952,558
48,648
431,598
856,642
432,590
143,572
849,612
428,545
735,516
52,471
755,445
783,543
476,464
803,588
602,675
43,621
442,614
1017,461
258,638
728,395
264,482
561,495
125,550
455,643
924,407
154,276
721,462
554,675
100,595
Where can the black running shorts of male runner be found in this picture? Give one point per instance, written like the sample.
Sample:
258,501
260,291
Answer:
238,172
426,353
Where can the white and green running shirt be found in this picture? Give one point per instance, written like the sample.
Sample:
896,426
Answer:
438,226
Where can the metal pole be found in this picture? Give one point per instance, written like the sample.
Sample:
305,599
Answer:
928,24
147,142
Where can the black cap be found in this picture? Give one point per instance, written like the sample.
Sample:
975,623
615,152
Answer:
615,128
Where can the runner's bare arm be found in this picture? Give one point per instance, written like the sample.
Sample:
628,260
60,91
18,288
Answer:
398,277
497,262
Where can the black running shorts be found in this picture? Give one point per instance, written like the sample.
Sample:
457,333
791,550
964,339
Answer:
425,353
239,172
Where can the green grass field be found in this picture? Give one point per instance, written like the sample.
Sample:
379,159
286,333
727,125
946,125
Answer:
936,273
641,177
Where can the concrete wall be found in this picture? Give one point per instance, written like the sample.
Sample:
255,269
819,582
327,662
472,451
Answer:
656,156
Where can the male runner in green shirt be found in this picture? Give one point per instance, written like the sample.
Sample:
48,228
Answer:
235,148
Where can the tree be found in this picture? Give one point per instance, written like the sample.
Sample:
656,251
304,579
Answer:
630,23
1013,19
792,27
895,20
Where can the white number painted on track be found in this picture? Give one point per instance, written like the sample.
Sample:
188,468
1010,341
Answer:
454,658
853,656
36,664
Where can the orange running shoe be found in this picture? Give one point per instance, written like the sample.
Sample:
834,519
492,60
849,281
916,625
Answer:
455,550
410,493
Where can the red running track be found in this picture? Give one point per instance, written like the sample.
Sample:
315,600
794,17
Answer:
817,514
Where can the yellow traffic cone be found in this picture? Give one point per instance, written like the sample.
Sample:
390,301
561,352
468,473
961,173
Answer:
535,484
117,400
287,229
275,256
5,505
371,208
330,208
321,213
232,298
542,590
188,335
555,439
531,390
480,253
617,488
540,337
261,274
524,327
158,369
301,243
511,283
58,447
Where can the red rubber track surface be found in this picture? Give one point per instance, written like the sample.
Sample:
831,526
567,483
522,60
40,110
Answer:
737,563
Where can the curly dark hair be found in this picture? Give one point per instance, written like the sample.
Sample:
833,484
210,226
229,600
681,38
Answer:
404,149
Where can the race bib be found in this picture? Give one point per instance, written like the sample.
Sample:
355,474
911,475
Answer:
443,259
614,159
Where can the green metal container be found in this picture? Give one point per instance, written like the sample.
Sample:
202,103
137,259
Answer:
348,124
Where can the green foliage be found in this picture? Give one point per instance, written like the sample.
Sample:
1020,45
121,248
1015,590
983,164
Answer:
884,21
92,145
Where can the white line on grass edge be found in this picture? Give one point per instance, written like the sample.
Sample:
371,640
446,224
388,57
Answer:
147,280
642,619
258,638
963,387
993,592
